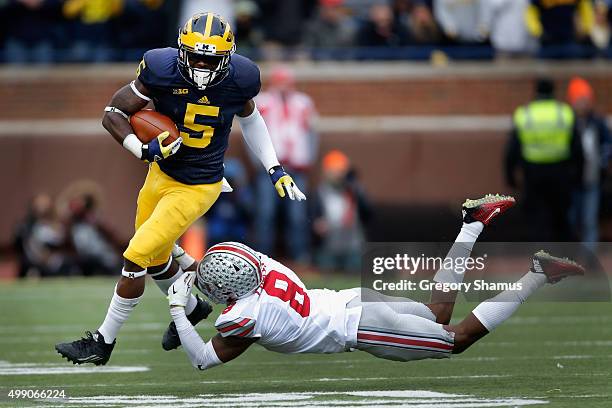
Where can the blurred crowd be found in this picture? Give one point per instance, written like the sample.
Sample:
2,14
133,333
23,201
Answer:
44,31
558,155
66,236
59,237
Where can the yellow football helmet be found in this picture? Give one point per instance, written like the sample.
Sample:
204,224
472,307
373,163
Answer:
206,44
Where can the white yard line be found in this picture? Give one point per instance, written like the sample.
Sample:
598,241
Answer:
56,328
313,380
400,398
12,370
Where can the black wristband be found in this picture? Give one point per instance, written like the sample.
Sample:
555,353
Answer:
144,152
274,169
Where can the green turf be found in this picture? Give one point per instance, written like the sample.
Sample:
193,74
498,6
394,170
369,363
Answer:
561,353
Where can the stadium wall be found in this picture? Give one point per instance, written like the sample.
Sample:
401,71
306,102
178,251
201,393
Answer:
440,131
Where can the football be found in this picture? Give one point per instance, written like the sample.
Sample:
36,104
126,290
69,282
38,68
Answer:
148,124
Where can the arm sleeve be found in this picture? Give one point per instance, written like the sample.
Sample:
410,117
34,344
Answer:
256,135
202,355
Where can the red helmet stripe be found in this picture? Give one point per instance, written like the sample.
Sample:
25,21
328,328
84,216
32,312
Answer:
238,251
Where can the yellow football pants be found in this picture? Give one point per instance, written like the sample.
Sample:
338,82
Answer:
166,208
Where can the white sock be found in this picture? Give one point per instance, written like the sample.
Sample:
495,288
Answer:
118,312
469,232
499,308
462,248
164,285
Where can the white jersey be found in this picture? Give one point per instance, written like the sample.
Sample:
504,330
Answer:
288,318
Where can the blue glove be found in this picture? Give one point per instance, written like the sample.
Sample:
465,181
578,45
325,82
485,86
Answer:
284,184
156,151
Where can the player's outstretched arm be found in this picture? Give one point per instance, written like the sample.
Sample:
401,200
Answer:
257,137
124,103
202,355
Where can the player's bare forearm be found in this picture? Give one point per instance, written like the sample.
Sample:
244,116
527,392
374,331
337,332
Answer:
127,102
228,348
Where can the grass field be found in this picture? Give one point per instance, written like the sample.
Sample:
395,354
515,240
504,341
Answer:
548,353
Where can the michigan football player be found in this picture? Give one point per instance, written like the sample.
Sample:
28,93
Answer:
201,86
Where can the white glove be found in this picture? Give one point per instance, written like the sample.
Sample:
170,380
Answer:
180,291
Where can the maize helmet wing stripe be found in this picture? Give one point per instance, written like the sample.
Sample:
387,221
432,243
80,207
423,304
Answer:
209,20
207,28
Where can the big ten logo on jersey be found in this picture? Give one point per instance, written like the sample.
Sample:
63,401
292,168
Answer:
280,286
180,91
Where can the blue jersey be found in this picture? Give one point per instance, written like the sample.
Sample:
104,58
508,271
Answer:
204,118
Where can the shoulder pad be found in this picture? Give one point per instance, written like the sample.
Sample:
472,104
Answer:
236,320
240,327
158,67
246,75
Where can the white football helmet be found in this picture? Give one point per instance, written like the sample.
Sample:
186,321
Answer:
228,272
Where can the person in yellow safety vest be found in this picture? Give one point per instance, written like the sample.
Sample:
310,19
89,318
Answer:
544,143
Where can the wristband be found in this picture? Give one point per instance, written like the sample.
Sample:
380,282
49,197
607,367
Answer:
276,173
134,145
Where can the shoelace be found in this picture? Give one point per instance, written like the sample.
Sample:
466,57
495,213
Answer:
85,341
88,336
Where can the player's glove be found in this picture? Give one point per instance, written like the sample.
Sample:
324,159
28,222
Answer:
156,151
179,292
284,184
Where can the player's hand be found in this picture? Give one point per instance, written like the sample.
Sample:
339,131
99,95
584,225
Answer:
284,184
156,151
180,291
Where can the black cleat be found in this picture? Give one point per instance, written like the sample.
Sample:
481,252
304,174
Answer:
89,349
171,339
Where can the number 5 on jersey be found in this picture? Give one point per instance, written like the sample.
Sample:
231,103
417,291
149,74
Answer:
204,132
